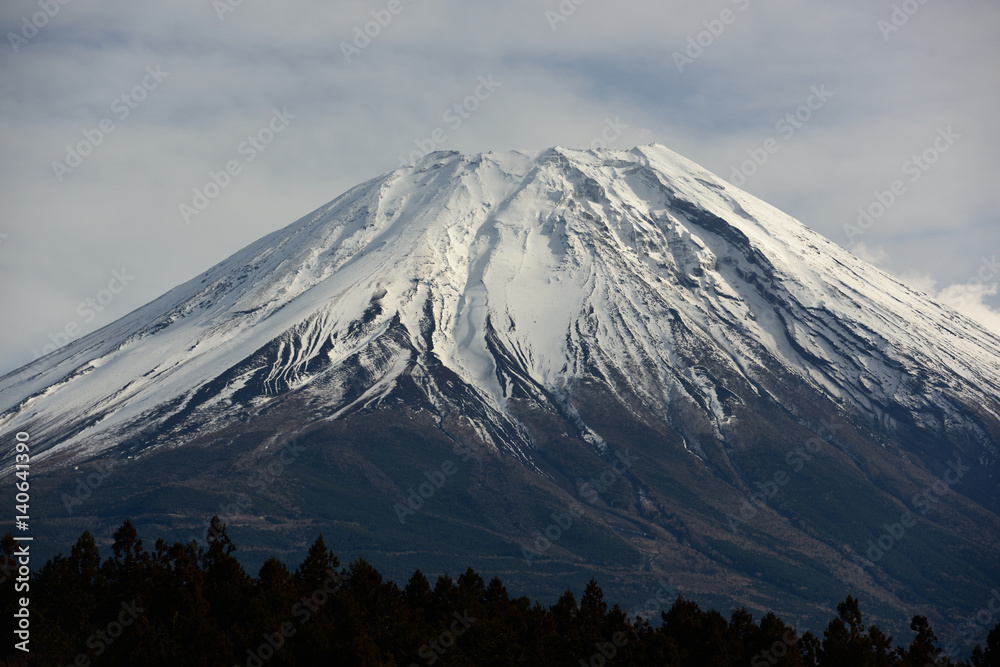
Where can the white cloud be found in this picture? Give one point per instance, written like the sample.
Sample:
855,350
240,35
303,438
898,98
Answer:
874,255
919,281
968,299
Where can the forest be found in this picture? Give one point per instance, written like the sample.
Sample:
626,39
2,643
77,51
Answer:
186,604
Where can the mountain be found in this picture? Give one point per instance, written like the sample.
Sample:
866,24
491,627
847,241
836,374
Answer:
549,364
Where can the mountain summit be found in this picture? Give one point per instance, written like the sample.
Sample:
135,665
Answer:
718,392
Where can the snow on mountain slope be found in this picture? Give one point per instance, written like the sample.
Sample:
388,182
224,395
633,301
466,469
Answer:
563,262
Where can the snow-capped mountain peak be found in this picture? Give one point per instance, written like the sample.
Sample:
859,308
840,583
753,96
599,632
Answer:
519,272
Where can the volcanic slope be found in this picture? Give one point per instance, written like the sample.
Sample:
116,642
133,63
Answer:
549,364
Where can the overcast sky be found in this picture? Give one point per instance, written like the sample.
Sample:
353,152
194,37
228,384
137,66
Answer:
113,113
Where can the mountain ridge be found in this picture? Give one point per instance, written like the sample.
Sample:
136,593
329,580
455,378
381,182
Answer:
542,311
297,275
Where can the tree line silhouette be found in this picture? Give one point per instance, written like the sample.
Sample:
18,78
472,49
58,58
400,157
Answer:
185,604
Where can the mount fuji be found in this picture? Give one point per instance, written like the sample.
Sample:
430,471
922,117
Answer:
546,364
